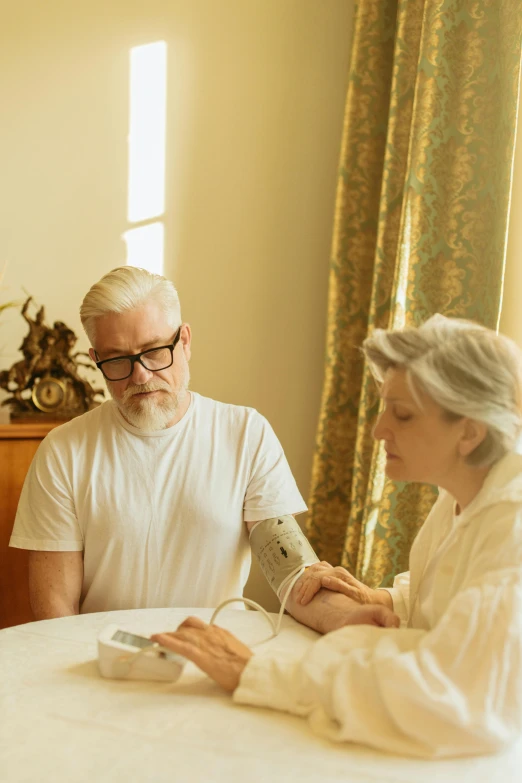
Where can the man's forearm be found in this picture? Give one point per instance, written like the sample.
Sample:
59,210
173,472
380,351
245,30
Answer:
55,583
326,612
48,608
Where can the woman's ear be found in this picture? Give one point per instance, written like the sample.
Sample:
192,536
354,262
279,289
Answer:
473,434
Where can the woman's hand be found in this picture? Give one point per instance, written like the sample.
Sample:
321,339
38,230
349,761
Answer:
338,580
216,651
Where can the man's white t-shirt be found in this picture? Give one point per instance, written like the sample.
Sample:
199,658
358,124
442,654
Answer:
160,516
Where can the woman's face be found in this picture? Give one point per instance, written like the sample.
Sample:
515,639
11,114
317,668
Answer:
421,443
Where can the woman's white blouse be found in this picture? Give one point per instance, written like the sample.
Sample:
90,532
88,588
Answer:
449,681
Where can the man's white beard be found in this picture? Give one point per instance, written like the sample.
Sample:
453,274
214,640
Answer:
156,412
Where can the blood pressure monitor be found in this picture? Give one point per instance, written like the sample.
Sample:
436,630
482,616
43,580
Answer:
123,655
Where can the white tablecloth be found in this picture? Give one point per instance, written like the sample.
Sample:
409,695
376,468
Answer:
60,721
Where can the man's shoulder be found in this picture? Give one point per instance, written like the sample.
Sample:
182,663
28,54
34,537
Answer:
234,423
226,411
81,427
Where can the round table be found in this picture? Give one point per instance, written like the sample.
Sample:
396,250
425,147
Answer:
60,721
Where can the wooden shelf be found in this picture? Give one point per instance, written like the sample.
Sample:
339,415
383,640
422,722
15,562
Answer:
17,430
18,443
25,428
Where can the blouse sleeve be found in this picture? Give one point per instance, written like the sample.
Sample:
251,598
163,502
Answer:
453,690
400,593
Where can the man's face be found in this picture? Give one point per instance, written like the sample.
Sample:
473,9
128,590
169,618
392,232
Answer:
148,400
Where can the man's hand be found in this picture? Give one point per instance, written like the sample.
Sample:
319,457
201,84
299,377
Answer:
338,580
216,651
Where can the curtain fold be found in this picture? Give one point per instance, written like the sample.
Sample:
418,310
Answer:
420,227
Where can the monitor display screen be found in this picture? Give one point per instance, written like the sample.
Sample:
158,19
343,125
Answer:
131,639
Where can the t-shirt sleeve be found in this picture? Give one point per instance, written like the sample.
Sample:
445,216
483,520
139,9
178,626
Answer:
271,489
46,517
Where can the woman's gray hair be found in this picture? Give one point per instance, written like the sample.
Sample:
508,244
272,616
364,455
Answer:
126,288
465,368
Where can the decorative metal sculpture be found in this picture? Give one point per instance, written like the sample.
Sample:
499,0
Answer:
46,383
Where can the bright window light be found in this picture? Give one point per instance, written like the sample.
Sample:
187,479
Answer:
147,131
145,247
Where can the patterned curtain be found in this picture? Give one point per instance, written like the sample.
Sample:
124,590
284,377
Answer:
420,227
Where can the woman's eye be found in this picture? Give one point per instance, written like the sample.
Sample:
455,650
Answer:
402,416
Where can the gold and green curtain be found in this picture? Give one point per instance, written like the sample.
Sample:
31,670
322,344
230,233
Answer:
420,227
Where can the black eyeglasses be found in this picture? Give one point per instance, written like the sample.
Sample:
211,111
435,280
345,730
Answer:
154,360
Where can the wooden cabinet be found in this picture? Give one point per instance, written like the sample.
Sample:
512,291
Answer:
18,443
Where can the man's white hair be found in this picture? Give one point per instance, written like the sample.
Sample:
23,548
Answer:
465,368
127,288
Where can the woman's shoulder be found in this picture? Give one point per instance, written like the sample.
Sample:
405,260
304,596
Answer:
496,524
504,483
437,523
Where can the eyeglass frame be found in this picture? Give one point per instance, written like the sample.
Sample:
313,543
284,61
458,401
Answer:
136,357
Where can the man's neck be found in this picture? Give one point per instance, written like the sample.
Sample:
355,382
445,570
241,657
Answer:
181,411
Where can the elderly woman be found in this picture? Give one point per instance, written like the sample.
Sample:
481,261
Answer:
449,680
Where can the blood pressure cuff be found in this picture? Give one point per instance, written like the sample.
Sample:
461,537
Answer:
281,549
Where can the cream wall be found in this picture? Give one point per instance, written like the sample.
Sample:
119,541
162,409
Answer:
256,93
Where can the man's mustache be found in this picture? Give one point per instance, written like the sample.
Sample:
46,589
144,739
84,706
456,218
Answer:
158,385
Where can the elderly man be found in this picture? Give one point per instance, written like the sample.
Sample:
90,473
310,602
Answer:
148,500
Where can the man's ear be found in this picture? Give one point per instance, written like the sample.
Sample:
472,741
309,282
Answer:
473,434
186,340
